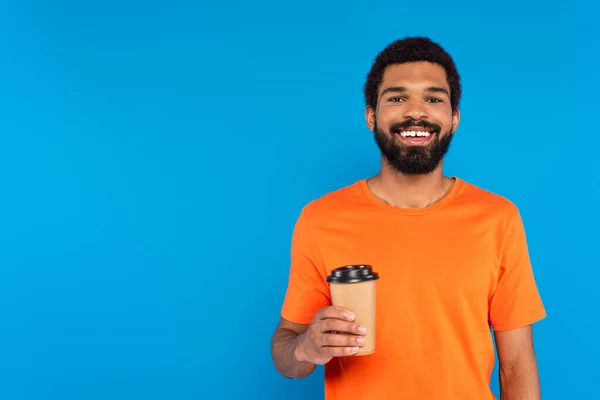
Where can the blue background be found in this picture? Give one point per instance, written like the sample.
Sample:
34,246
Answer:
154,158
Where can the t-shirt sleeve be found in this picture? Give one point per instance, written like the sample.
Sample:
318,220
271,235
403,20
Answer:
516,301
307,290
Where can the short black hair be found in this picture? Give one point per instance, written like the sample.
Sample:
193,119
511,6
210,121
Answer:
412,49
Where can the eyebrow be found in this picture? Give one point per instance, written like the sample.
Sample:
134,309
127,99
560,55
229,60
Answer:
401,89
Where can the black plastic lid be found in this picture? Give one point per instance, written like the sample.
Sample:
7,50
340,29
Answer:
352,274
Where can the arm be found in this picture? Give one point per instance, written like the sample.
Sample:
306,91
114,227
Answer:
516,305
518,367
283,348
297,349
320,331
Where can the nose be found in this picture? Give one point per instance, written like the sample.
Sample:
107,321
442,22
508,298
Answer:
415,109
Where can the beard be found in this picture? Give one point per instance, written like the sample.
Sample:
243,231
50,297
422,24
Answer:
413,160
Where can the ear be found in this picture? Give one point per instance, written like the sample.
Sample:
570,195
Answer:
370,118
455,120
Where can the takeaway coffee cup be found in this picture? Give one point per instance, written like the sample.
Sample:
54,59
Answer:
353,287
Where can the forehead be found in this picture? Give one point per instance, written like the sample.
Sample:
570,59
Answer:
414,75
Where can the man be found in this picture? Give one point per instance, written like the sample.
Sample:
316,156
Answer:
452,258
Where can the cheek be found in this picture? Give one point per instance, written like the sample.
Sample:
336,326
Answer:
443,118
388,115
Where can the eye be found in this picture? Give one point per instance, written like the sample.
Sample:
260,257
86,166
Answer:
396,99
434,100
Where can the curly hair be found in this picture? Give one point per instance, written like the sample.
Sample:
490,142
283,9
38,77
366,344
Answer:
412,49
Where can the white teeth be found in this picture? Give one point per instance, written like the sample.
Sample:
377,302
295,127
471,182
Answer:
415,133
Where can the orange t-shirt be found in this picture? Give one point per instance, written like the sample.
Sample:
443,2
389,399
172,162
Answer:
449,274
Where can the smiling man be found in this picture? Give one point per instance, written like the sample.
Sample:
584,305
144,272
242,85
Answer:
452,258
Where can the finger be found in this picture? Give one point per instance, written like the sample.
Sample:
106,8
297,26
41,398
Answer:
336,325
330,340
337,313
340,351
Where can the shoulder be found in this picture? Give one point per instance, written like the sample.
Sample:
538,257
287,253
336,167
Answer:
346,199
487,201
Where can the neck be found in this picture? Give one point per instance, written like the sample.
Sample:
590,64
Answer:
410,191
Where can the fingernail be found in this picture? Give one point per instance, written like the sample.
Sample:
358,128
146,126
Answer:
362,329
354,350
360,340
350,316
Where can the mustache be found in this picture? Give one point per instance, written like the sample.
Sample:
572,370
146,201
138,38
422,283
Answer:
396,127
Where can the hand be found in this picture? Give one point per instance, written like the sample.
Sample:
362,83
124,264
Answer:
332,333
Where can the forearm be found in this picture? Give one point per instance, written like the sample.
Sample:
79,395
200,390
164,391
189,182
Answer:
283,348
520,381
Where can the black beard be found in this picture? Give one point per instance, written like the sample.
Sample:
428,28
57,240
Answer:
413,160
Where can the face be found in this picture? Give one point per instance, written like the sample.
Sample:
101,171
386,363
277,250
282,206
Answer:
413,122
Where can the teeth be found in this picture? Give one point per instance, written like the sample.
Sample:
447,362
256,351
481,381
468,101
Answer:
415,133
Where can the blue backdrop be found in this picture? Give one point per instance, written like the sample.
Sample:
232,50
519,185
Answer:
154,158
